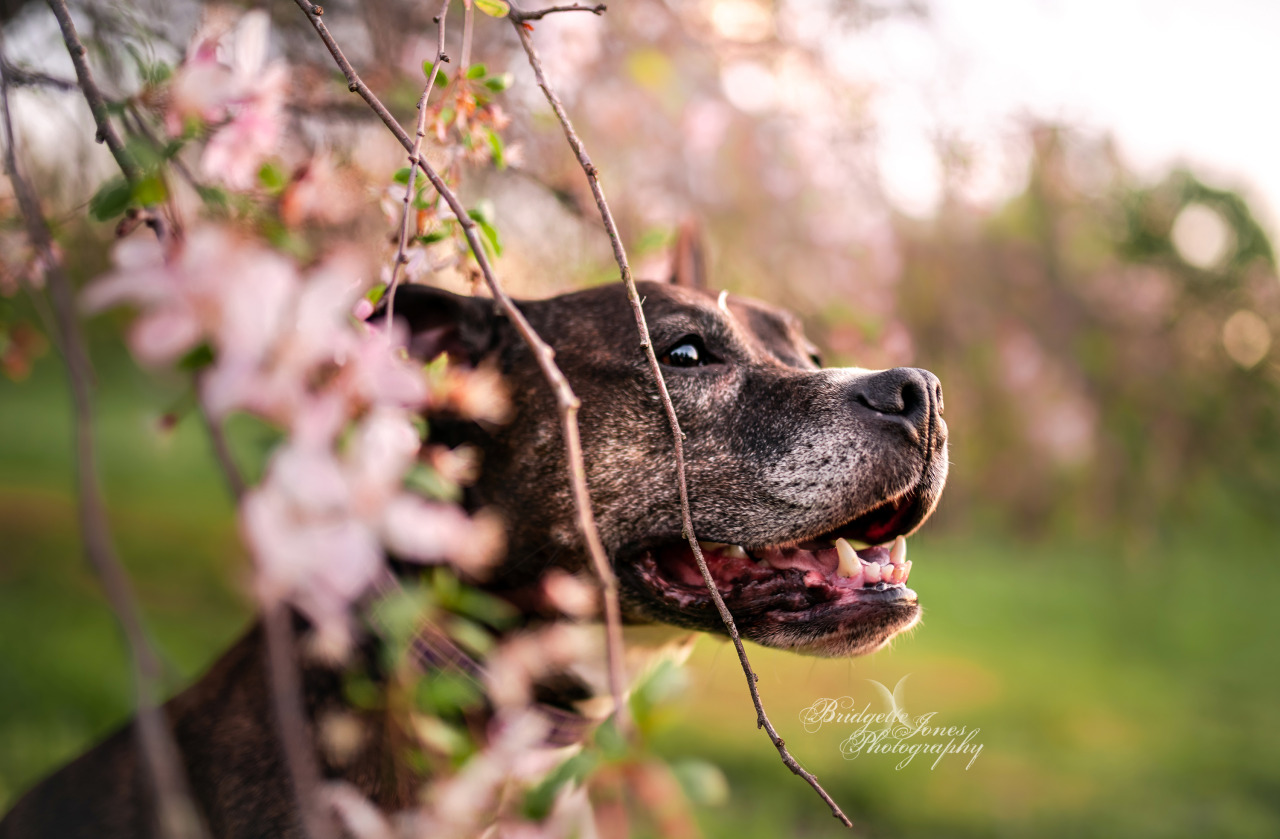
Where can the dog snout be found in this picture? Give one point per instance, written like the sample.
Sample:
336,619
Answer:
912,394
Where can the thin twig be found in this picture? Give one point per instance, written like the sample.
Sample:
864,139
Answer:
22,77
524,17
566,401
414,156
221,450
177,815
286,700
620,254
281,663
467,21
97,104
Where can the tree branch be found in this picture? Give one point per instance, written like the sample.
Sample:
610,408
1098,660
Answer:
524,17
22,77
686,517
177,815
291,720
415,155
97,104
566,401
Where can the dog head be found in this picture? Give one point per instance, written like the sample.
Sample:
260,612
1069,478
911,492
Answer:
785,460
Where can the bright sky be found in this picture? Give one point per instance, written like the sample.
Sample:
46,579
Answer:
1174,80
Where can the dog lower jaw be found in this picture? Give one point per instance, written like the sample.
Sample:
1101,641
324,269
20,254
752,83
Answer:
792,598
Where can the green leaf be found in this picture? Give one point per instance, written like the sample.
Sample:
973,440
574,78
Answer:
426,481
374,294
610,742
398,615
111,199
493,8
477,71
499,83
272,177
150,191
499,152
172,148
419,425
483,607
432,237
446,693
488,233
214,196
197,359
361,692
470,635
483,211
704,783
537,804
143,153
401,176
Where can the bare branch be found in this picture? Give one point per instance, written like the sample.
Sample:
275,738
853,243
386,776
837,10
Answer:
97,104
524,17
22,77
221,450
177,815
566,401
415,154
286,700
620,255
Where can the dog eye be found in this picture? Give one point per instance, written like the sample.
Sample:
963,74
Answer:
689,352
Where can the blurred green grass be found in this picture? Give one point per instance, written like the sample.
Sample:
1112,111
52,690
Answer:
1119,690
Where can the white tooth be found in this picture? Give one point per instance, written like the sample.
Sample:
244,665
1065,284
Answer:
906,570
710,546
870,572
848,566
899,573
898,553
733,552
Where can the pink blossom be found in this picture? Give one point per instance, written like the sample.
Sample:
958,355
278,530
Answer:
212,286
242,96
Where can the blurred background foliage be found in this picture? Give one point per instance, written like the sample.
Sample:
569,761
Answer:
1099,581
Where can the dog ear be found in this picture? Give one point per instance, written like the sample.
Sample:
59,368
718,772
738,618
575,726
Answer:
441,321
689,260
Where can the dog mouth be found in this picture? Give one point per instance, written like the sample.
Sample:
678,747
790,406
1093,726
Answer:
840,593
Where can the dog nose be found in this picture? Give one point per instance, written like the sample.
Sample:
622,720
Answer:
913,394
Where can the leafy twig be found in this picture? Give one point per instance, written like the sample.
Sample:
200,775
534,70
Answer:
177,815
620,255
97,104
566,401
415,154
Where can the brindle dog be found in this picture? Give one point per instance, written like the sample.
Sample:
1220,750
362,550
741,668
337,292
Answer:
784,458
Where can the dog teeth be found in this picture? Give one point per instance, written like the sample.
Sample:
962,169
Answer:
898,553
849,563
906,570
871,572
724,549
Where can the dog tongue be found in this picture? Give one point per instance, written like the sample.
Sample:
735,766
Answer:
877,553
823,559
